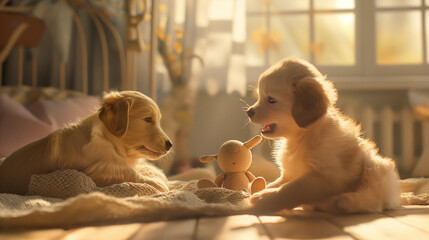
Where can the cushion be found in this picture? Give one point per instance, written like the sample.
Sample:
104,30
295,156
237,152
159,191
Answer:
27,95
18,126
59,113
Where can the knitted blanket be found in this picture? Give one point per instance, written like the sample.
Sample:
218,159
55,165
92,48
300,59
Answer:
415,191
69,198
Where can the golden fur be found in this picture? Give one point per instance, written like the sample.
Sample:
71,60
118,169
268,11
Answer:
325,163
105,145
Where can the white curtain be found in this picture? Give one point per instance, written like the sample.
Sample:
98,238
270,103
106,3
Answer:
219,38
214,30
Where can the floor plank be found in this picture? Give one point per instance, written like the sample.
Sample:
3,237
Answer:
409,222
33,234
119,232
177,230
415,216
245,227
301,225
375,226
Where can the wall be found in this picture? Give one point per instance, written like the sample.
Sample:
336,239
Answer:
217,119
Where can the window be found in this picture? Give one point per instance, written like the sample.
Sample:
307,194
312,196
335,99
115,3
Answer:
404,17
370,39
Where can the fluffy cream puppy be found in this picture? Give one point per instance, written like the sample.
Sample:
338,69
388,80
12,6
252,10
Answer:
325,163
105,145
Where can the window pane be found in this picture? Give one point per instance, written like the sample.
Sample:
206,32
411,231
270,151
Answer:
221,10
256,5
399,37
334,4
289,5
255,49
397,3
294,33
427,36
334,39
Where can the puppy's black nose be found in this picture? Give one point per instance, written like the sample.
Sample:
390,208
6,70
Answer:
250,113
168,145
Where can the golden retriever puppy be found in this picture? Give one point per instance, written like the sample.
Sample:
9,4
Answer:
325,163
105,145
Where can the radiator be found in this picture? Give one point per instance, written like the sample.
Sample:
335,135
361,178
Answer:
398,133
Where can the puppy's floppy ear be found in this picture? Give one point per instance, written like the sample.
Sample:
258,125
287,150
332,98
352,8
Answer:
114,113
310,101
208,158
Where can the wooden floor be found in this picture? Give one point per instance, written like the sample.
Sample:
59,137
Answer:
411,222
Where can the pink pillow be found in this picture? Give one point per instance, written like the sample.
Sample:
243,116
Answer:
18,126
59,113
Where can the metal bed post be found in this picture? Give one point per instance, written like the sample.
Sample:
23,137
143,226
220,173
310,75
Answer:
153,50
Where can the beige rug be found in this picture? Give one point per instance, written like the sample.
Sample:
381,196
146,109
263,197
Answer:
70,198
415,191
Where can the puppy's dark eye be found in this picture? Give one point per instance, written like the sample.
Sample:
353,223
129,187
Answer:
148,119
272,100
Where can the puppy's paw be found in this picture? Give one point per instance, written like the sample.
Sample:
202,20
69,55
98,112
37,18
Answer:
274,185
265,201
342,204
353,203
345,204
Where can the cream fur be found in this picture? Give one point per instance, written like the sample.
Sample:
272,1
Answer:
105,145
325,163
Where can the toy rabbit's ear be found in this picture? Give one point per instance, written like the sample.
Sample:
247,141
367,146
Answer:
208,158
253,142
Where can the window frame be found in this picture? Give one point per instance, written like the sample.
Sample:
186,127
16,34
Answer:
372,68
366,73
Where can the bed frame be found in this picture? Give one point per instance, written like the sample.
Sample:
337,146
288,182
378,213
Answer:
27,30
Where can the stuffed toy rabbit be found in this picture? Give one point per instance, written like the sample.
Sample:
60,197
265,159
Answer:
234,158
